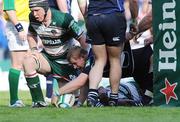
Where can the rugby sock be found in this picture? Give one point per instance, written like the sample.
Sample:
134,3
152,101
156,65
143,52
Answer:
93,100
93,94
147,97
14,75
55,86
35,88
49,80
113,100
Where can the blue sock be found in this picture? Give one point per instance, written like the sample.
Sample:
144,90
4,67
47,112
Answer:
49,86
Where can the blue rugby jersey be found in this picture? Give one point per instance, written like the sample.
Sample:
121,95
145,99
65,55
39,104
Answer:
53,4
105,6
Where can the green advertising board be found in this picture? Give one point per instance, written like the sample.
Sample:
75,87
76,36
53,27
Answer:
166,31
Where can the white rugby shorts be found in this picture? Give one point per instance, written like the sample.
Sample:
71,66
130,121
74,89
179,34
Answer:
14,43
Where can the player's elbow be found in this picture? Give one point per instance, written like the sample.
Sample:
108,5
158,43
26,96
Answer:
80,84
81,80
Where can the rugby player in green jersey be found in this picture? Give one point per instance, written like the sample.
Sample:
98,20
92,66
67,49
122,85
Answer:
56,30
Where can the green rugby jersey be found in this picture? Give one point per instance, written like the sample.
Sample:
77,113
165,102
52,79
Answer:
56,37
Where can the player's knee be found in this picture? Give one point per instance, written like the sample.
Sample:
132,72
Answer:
101,61
28,61
17,66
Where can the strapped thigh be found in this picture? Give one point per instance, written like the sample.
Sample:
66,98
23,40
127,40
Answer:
37,62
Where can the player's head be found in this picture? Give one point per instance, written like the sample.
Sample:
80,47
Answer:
77,57
39,9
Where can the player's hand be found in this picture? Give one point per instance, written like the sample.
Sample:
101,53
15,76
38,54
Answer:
22,36
136,38
77,104
54,100
129,36
148,41
138,103
133,26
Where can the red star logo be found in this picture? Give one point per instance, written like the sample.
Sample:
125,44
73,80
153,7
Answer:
168,91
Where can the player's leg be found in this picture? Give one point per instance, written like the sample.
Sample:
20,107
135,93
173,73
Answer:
17,49
127,61
148,93
143,71
99,50
115,43
34,64
96,73
14,74
115,72
49,88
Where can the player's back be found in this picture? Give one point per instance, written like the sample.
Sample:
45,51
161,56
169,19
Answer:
128,89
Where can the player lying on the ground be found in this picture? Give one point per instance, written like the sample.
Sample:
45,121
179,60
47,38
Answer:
129,92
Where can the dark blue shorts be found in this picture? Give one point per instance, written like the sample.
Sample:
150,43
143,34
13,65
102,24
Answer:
106,29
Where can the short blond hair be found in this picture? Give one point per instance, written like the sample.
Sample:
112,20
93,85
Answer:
76,51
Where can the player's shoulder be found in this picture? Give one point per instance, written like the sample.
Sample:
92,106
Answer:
56,13
61,18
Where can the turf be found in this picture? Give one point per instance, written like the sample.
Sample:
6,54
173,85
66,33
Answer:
84,114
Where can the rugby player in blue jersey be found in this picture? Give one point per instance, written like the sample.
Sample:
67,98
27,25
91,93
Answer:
128,92
106,28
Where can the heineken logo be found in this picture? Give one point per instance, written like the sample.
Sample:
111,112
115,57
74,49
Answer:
168,91
166,78
168,55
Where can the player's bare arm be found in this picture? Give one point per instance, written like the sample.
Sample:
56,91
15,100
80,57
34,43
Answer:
12,16
82,41
32,40
71,87
74,84
83,6
145,23
62,5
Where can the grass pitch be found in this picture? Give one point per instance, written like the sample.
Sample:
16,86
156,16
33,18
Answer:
84,114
